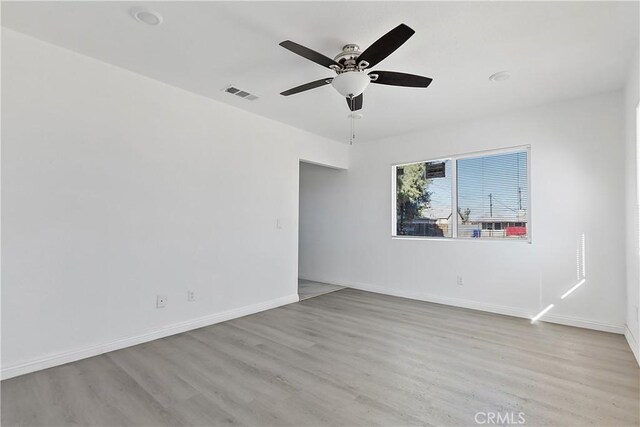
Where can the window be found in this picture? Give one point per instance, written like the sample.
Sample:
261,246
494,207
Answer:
423,199
493,196
489,192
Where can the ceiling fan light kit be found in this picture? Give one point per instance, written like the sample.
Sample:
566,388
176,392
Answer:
351,83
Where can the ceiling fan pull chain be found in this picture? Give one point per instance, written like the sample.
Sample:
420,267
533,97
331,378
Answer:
351,133
353,124
353,130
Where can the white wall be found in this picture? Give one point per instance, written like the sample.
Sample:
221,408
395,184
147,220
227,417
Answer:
577,150
631,99
117,188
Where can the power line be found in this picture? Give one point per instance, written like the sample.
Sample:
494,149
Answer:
507,207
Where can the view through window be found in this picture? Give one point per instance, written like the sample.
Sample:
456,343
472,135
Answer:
490,193
423,199
493,196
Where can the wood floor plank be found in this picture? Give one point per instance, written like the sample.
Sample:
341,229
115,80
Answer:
345,358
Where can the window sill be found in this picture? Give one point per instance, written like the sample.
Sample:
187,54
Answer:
459,239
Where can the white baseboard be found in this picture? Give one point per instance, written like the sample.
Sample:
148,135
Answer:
475,305
633,343
176,328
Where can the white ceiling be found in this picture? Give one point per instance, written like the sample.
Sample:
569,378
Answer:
553,51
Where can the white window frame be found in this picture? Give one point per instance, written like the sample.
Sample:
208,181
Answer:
637,173
454,195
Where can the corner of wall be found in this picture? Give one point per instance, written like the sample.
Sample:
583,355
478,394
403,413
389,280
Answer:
632,208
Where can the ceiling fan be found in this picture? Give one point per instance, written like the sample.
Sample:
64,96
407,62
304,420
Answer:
352,67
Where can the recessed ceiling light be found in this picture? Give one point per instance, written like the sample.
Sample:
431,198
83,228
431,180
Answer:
146,16
500,76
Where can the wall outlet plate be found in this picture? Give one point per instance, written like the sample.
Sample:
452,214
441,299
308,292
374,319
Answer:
191,296
161,301
459,281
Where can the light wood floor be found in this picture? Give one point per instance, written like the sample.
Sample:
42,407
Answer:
309,289
344,358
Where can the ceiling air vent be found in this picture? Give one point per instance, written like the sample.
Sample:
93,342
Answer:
240,93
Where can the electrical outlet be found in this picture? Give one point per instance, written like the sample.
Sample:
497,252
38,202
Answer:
460,282
161,301
279,224
191,296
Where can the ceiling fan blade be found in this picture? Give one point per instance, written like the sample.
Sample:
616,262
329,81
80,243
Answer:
311,55
355,104
385,45
399,79
307,86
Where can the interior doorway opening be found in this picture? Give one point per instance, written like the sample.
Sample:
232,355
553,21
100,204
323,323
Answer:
319,210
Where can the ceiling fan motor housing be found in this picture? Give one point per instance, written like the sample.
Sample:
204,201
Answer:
348,59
